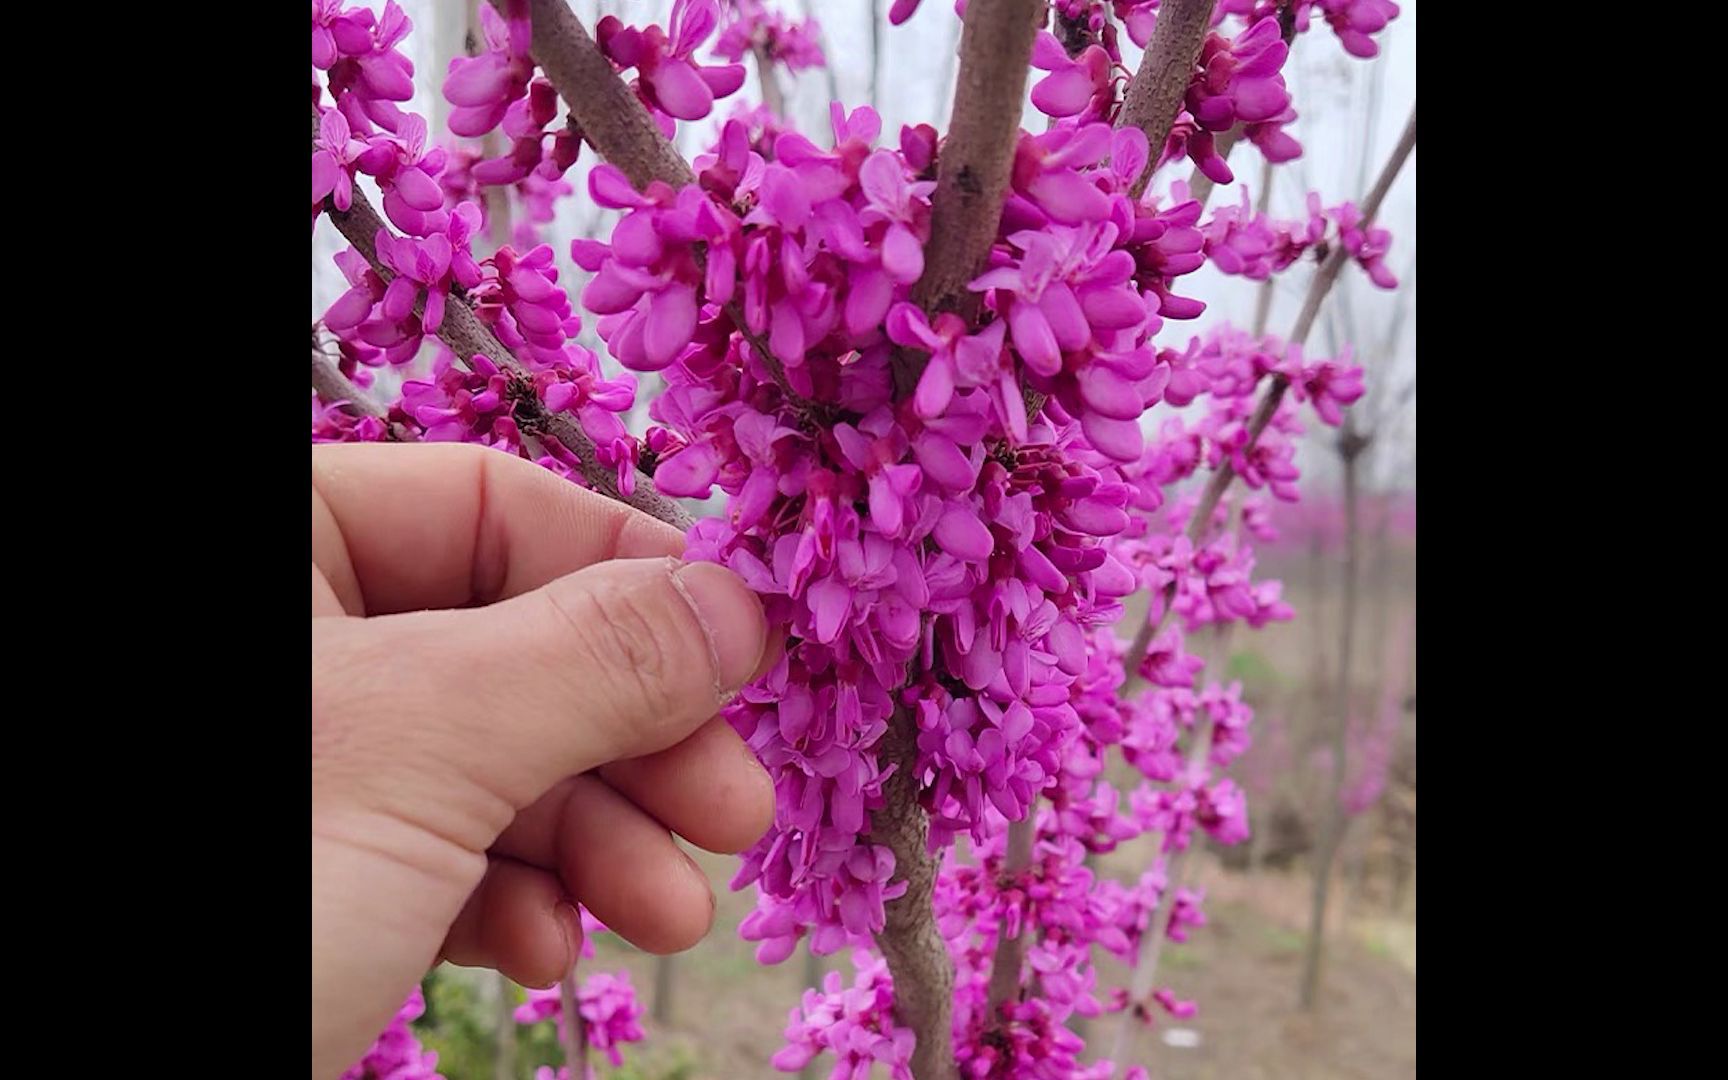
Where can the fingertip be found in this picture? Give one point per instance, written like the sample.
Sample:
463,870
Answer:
731,617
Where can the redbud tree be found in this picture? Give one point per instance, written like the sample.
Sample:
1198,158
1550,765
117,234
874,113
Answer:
935,374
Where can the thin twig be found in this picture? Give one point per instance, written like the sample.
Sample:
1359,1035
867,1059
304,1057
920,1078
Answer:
575,1029
1317,290
467,336
917,957
771,95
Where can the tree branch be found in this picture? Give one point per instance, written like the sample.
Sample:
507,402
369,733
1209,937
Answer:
332,386
1151,945
575,1028
466,335
1155,95
975,161
613,119
1322,284
917,956
771,95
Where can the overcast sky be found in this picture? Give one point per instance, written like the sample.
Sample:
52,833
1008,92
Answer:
1350,114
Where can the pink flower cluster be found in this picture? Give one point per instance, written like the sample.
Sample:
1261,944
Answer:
398,1055
941,513
754,26
517,295
1242,241
1354,21
855,1024
672,84
610,1012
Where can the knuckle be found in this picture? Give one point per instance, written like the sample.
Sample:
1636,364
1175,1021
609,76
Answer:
629,637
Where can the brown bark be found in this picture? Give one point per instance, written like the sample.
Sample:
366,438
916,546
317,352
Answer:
975,162
613,119
916,954
333,386
1155,95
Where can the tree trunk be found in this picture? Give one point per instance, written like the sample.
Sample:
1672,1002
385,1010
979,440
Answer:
1332,814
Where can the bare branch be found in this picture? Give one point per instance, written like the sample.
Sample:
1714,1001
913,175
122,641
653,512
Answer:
1317,290
1156,93
976,158
332,386
575,1028
466,335
916,954
771,95
613,119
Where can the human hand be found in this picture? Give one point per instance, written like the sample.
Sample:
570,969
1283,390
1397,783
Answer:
514,689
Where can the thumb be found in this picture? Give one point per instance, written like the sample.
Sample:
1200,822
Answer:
619,659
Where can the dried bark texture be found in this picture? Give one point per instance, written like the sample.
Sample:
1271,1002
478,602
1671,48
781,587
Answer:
613,120
1324,278
1156,93
977,157
916,954
466,335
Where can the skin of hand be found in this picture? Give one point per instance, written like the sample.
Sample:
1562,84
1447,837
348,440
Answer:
515,684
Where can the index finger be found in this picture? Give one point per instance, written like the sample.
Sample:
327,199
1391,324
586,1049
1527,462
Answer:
412,526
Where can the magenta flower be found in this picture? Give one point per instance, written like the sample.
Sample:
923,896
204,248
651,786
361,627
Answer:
753,26
397,1054
1354,20
1080,86
1240,80
333,162
1330,385
483,87
669,81
421,265
337,33
1367,246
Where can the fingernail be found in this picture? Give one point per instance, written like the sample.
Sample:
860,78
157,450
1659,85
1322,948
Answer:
690,863
731,618
570,922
